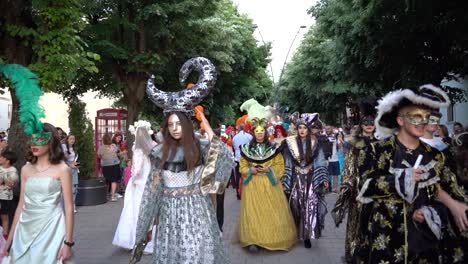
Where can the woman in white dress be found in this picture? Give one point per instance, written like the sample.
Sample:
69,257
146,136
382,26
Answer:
125,233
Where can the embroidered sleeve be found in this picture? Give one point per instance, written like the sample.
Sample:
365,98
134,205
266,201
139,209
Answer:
149,208
287,179
217,168
449,182
372,183
320,170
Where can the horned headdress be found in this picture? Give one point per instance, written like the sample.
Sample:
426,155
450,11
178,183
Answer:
184,101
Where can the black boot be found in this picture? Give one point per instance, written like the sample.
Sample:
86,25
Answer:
307,243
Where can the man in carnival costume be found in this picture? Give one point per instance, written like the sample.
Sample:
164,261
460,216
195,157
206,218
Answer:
346,203
187,173
455,233
401,179
265,217
305,178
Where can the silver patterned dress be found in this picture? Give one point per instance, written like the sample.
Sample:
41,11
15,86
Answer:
187,230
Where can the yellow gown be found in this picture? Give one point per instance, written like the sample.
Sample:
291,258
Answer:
265,216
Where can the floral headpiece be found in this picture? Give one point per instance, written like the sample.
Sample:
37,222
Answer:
140,123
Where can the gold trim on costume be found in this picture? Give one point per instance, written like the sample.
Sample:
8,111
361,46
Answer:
294,148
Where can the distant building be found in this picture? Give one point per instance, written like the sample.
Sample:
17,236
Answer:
456,112
5,109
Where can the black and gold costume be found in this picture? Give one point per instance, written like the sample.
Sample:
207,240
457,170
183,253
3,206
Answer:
391,197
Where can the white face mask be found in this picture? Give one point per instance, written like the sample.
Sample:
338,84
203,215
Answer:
174,126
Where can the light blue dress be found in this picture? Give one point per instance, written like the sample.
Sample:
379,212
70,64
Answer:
40,231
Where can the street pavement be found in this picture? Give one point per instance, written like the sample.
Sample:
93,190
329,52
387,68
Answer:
95,227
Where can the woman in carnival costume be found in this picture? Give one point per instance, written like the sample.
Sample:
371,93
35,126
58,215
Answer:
346,202
42,231
187,173
265,218
401,181
305,178
141,169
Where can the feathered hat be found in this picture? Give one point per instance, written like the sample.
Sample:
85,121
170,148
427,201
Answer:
307,119
388,106
27,90
185,100
257,113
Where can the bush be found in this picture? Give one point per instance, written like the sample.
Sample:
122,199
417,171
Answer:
82,128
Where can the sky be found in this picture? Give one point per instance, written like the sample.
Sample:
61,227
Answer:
278,22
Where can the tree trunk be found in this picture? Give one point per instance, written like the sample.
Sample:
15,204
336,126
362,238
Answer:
17,139
16,13
134,92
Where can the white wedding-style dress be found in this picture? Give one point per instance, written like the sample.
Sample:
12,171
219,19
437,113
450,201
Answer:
125,234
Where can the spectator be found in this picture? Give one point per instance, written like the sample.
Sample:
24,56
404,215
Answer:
333,163
240,139
457,128
122,146
62,135
128,172
8,179
110,164
71,159
444,134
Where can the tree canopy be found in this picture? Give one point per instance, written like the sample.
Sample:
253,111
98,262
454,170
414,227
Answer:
362,47
139,38
42,35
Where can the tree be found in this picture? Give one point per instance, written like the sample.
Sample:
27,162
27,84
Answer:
361,48
140,38
395,44
82,128
43,36
313,82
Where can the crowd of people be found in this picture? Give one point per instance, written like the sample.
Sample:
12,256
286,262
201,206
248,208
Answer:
400,178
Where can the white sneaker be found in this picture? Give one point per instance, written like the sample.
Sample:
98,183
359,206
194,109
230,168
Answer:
118,195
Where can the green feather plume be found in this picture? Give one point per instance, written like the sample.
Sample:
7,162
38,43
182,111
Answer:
27,90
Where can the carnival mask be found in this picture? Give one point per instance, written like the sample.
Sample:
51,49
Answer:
41,139
259,130
367,121
433,120
417,117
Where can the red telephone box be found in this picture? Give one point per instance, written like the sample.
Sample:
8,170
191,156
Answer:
108,120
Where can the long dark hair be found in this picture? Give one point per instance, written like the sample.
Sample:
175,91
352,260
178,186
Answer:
114,139
308,156
68,146
56,154
189,142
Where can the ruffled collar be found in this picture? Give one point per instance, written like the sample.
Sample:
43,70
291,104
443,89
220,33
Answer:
260,152
293,147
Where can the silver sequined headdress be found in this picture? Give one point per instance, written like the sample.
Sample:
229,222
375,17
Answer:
186,100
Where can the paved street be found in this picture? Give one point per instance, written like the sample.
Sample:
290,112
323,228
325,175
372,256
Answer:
95,226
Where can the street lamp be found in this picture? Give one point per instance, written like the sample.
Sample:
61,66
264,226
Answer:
255,26
284,64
